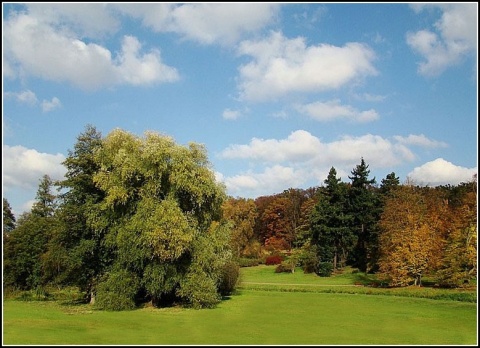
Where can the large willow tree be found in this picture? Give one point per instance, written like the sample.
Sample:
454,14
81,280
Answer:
160,216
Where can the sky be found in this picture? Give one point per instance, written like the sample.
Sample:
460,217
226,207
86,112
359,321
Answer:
278,93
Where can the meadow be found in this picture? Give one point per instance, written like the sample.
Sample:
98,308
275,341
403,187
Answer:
267,309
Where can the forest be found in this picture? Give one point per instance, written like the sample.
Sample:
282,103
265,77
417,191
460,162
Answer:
142,219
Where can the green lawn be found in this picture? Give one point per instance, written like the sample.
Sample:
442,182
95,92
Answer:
252,317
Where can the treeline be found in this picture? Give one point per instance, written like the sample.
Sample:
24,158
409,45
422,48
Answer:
142,219
401,232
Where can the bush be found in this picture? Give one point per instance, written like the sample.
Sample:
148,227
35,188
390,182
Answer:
198,290
117,291
325,269
247,262
228,282
283,268
273,260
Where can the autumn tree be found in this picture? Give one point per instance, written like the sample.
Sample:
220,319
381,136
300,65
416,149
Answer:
459,262
279,230
407,240
242,213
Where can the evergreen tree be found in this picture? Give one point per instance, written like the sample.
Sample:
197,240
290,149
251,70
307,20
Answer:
75,255
8,218
45,204
364,208
27,243
330,223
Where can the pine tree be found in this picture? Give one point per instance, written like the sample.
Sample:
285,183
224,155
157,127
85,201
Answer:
364,208
330,223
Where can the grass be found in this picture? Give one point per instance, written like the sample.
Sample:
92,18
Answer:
348,282
252,317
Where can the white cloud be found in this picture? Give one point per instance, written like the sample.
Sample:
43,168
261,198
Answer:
299,145
420,140
370,97
135,69
206,23
42,50
23,167
27,97
272,179
455,37
48,106
441,172
280,66
333,110
303,159
231,114
86,19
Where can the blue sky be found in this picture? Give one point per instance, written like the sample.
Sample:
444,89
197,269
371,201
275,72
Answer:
277,92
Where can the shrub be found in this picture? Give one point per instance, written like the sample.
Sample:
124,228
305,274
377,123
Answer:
325,269
228,282
273,260
198,290
247,262
116,292
283,268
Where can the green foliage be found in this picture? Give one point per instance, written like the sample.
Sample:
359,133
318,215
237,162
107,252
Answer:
8,217
331,223
308,259
249,262
324,269
199,290
117,290
284,267
229,278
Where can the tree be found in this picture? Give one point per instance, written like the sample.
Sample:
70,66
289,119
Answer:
389,183
364,208
76,254
407,240
8,218
330,223
242,213
160,203
459,264
27,243
45,204
280,233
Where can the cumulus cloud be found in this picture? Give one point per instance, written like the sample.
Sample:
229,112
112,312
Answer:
272,179
23,167
86,19
441,172
333,110
206,23
302,158
280,66
454,37
36,47
298,146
